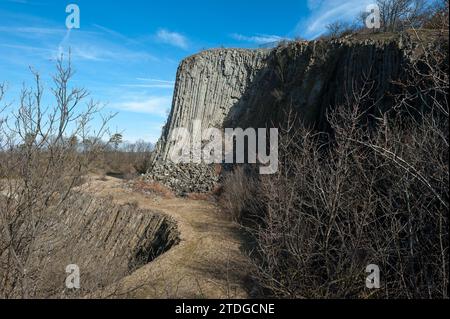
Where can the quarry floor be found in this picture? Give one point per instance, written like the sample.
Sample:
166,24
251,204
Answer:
207,263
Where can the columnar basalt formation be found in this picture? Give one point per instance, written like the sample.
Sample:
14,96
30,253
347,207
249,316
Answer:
207,86
105,241
255,88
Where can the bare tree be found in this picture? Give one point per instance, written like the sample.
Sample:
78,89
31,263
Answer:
396,14
338,29
40,165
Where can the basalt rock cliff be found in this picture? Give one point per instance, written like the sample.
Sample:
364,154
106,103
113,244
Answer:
255,88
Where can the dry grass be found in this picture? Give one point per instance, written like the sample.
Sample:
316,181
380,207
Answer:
375,190
199,196
208,262
152,188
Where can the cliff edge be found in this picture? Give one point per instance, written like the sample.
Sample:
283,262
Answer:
255,88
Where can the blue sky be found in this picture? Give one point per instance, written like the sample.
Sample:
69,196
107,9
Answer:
126,53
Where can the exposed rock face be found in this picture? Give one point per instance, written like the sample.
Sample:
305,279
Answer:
208,85
313,77
255,88
185,178
106,241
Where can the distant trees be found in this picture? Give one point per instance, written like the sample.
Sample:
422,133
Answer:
122,158
116,139
396,14
438,16
338,29
140,146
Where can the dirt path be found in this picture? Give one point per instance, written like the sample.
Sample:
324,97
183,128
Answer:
208,262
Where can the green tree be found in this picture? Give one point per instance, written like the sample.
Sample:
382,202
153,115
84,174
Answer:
116,140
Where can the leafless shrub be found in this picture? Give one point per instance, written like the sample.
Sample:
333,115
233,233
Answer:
438,16
339,29
143,158
375,192
396,14
237,193
44,153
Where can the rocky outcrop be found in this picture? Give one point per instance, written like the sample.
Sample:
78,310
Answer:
255,88
310,78
208,86
106,241
184,179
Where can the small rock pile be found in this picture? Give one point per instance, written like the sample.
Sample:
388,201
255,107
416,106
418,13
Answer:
185,178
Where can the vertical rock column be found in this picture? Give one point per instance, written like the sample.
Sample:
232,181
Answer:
207,86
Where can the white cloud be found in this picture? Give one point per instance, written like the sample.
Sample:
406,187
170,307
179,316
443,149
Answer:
324,12
258,39
172,38
154,105
151,83
91,46
84,45
116,34
156,80
34,31
150,86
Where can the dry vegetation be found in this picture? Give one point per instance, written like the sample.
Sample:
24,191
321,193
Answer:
128,161
152,188
45,153
395,16
374,190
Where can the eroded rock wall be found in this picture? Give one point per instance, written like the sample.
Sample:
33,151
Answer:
106,241
208,86
255,88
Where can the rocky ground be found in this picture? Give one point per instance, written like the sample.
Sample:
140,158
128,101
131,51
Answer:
185,178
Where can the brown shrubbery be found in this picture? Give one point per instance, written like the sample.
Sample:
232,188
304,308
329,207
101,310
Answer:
151,187
44,154
373,191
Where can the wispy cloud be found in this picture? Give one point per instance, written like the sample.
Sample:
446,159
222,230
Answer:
18,1
35,31
26,2
149,86
172,38
151,83
156,80
324,12
155,105
258,38
50,41
115,34
105,52
43,52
